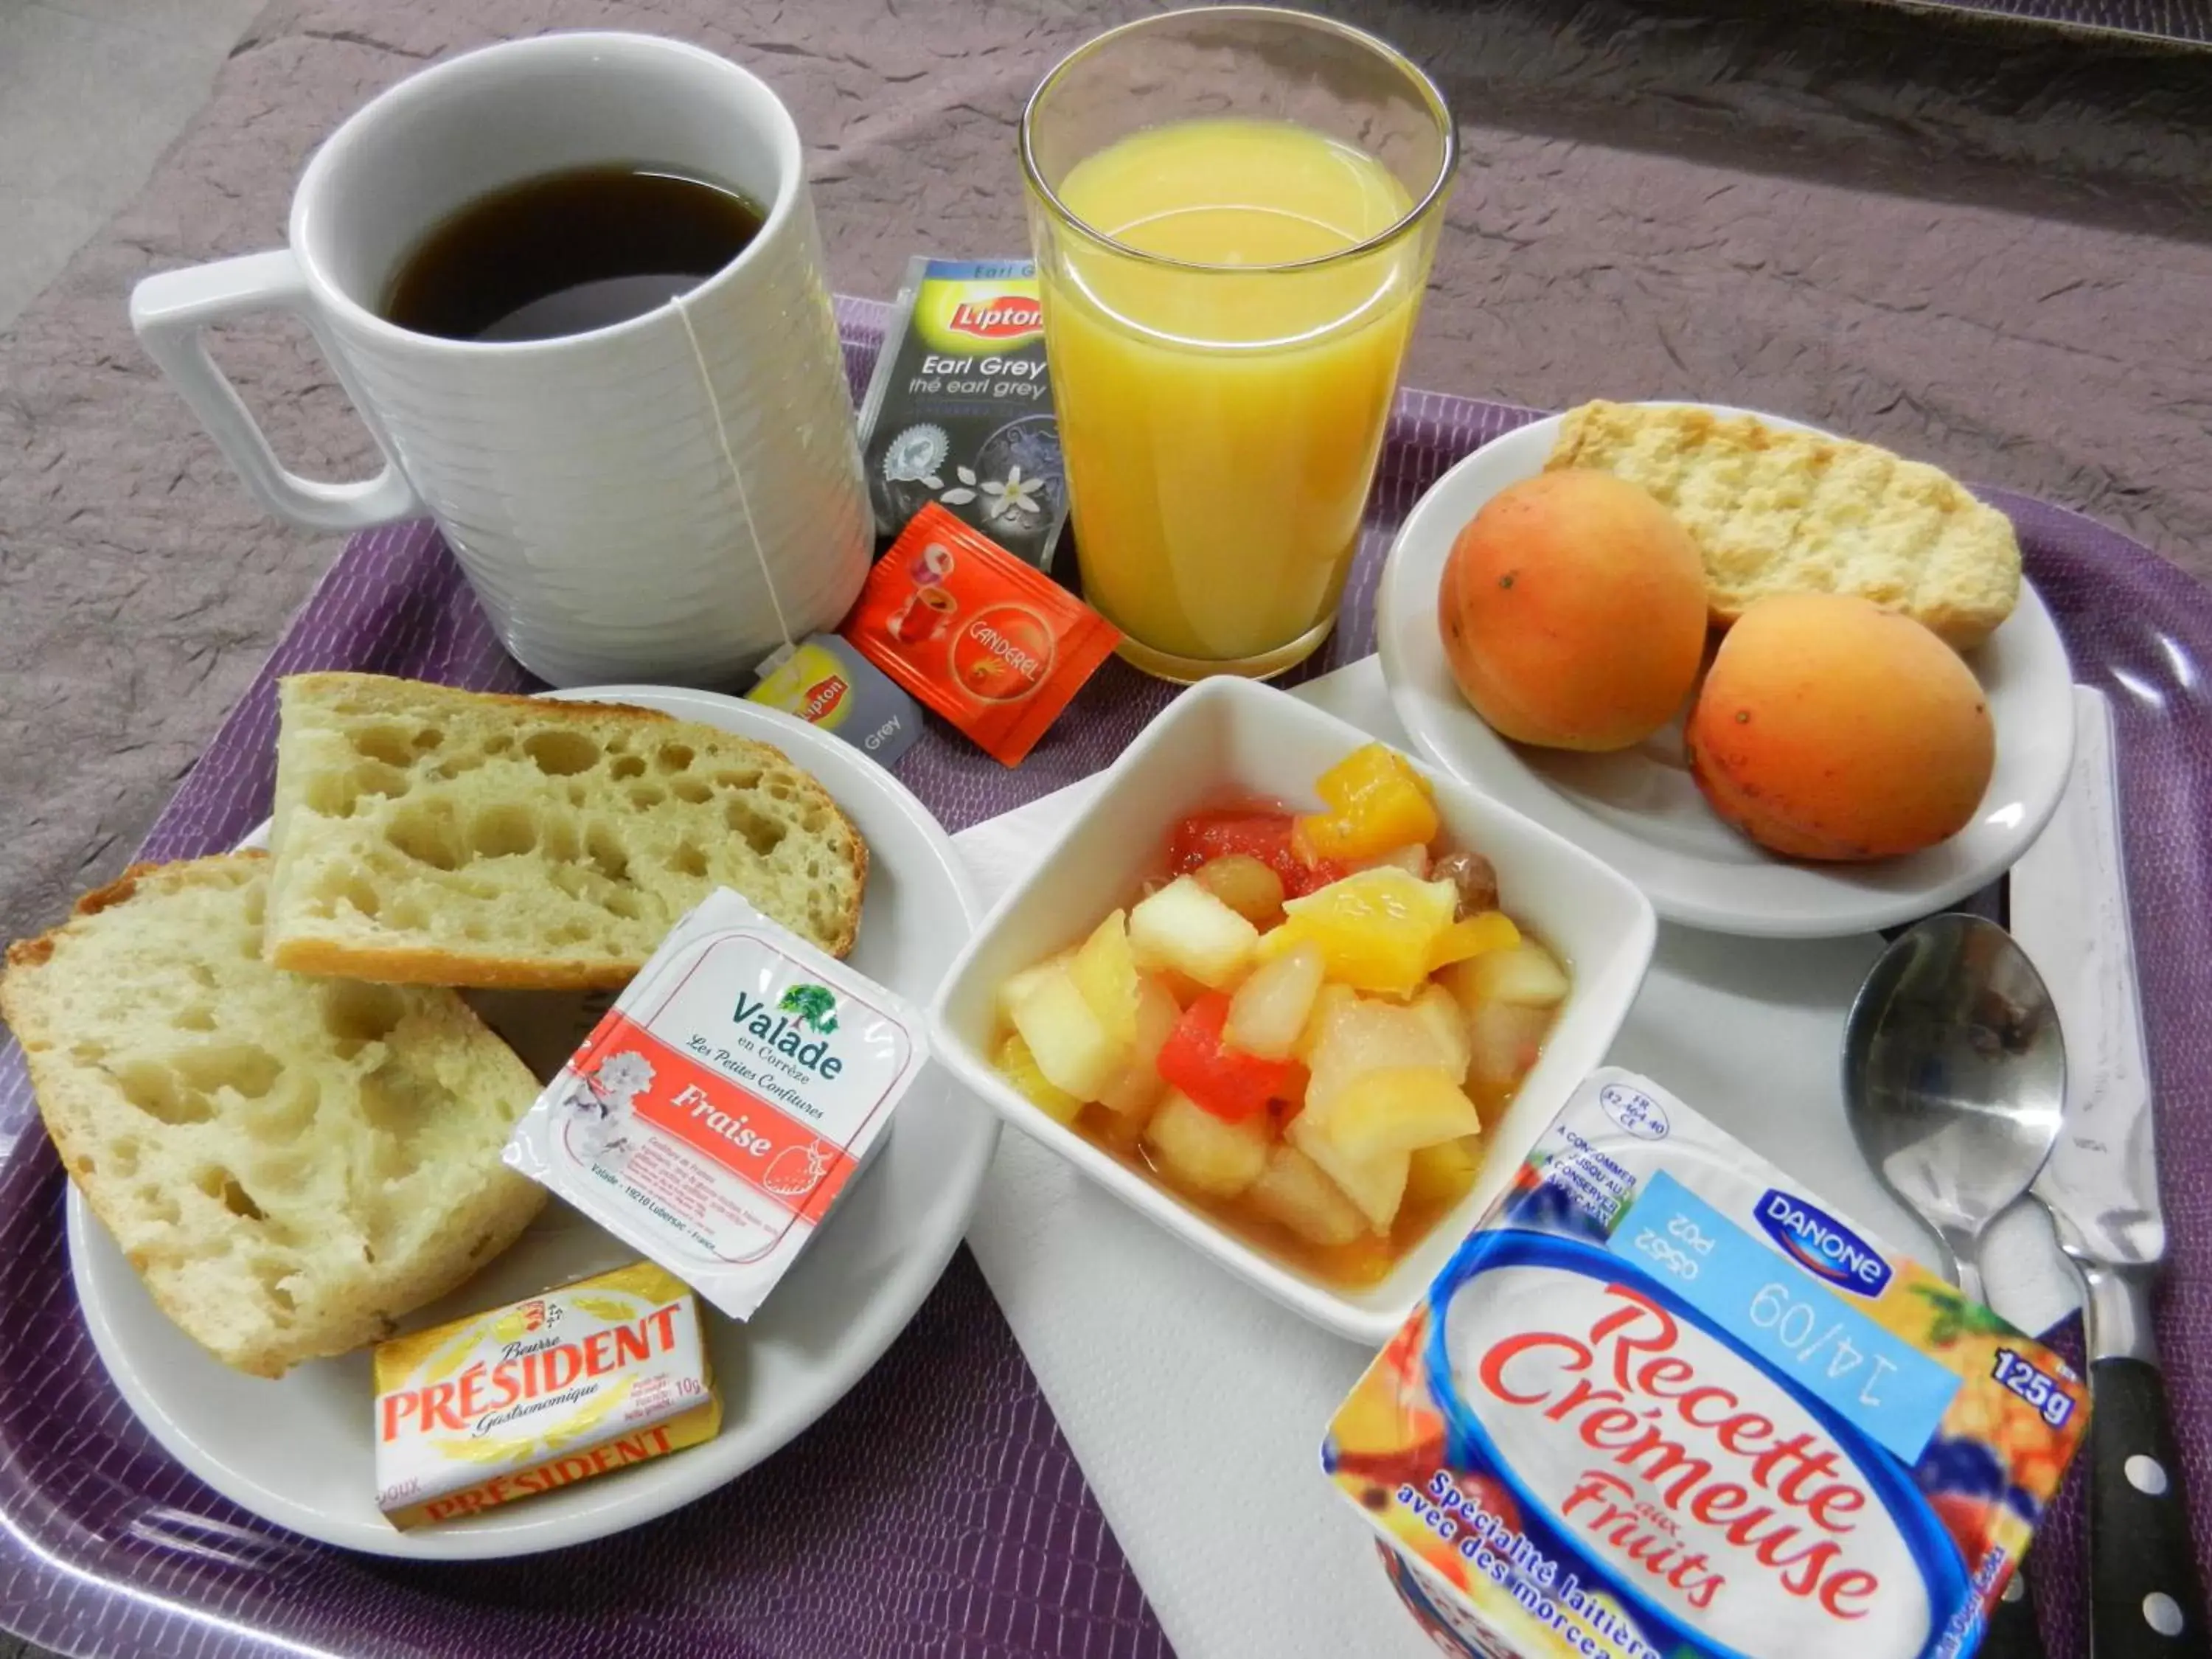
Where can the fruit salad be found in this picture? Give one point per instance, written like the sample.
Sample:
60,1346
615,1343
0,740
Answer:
1301,1024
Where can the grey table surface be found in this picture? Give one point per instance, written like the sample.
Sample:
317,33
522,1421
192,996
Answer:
1979,243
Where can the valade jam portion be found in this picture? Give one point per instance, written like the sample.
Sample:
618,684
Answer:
1664,1401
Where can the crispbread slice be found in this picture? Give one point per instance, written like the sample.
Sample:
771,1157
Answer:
429,836
1775,511
290,1164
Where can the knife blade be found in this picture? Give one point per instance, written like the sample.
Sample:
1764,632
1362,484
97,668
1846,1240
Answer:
2069,912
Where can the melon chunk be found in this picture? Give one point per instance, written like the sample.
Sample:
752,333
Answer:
1375,1186
1019,1067
1105,971
1133,1093
1017,986
1207,1154
1072,1046
1185,928
1293,1191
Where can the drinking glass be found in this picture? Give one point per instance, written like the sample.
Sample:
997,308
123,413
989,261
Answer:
1234,209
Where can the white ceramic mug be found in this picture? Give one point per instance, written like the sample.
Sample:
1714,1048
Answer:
628,505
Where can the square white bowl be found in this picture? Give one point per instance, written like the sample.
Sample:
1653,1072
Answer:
1228,738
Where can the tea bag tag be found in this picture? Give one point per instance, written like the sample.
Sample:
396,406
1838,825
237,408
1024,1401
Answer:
738,483
775,659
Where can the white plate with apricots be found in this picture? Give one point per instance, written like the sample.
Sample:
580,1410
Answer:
1874,732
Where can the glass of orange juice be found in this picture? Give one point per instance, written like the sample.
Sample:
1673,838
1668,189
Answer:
1234,209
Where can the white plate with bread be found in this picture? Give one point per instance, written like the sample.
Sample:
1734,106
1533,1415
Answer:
1752,521
300,1162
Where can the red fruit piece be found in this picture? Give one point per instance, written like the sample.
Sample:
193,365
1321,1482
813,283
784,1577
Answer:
1263,835
1227,1082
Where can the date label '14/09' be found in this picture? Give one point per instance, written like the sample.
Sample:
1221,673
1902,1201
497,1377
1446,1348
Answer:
1875,1379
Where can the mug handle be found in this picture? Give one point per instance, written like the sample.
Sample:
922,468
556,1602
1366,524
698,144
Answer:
172,310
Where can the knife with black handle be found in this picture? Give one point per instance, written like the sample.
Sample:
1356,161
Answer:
2012,1633
2146,1598
2070,911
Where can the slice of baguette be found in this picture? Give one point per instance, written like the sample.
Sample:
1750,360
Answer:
1774,511
290,1163
447,837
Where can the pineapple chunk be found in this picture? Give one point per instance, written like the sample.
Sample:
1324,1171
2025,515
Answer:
1506,1039
1270,1009
1474,936
1292,1190
1193,1148
1072,1050
1528,977
1412,859
1020,1068
1377,1187
1397,1109
1443,1174
1018,985
1376,929
1134,1094
1106,973
1184,927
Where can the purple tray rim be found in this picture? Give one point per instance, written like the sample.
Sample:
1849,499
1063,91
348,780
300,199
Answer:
2136,625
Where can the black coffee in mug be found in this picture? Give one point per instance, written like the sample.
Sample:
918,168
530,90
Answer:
567,253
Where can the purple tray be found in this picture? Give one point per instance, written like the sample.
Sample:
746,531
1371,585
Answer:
937,1510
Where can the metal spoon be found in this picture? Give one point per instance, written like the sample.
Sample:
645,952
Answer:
1954,1078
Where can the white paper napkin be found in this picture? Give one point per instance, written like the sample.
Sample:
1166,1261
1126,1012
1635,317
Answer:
1196,1406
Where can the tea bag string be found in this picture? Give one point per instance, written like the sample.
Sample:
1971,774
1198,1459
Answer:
737,477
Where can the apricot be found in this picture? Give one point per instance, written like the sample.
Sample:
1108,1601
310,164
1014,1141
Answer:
1573,611
1829,728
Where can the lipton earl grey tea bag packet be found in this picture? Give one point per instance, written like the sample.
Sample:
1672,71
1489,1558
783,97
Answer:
959,410
1664,1403
735,1089
828,684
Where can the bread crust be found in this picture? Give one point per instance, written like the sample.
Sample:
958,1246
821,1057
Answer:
366,947
395,965
535,708
71,1101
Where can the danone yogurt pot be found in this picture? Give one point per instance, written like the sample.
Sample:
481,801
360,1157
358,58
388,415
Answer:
733,1091
1665,1402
